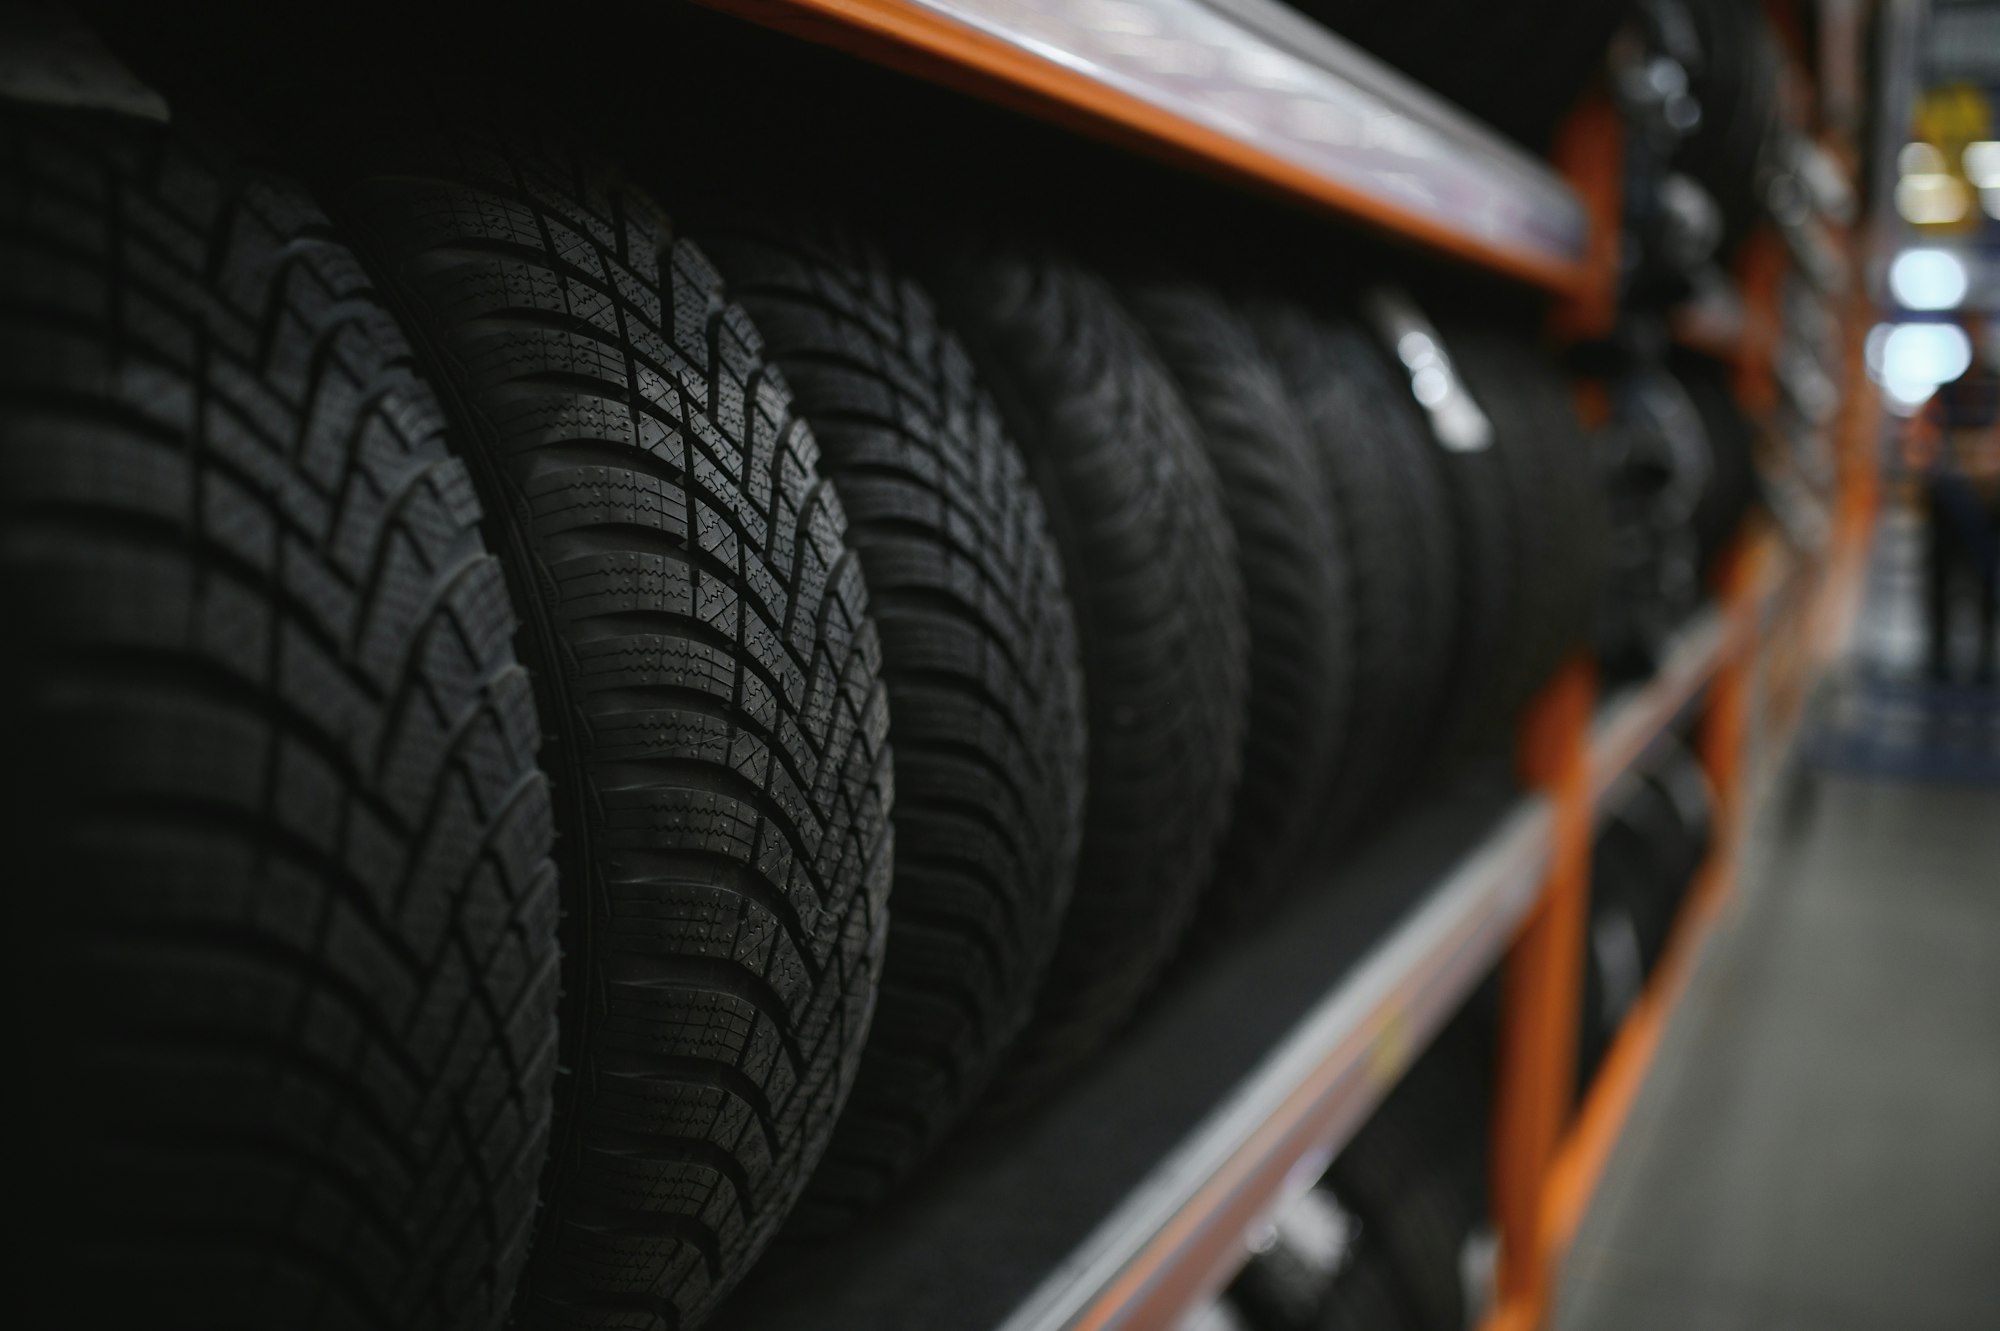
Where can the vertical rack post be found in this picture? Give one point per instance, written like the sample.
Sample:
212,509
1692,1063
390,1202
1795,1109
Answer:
1541,989
1590,152
1760,271
1724,723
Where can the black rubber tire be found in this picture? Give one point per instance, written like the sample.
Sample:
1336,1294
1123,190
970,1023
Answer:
1406,1199
979,653
1365,1297
1685,788
1645,857
710,682
1287,1282
285,965
1652,581
1150,562
1398,547
1732,447
1558,510
1738,85
1416,1173
1405,1176
1636,849
1295,584
1613,967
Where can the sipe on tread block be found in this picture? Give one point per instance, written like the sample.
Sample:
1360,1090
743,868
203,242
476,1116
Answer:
980,660
711,678
289,921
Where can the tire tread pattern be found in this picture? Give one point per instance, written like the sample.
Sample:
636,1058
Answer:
711,681
1295,582
1391,506
981,663
1149,559
291,840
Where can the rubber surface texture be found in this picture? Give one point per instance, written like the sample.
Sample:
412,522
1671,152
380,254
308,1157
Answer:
285,955
1403,1176
1365,1297
1295,582
1558,512
1732,444
1398,548
985,683
710,682
1150,563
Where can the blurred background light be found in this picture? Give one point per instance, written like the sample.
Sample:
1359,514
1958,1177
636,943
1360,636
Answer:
1920,159
1932,198
1928,279
1872,349
1915,358
1981,161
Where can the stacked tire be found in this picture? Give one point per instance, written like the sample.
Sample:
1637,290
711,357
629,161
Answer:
1657,833
1679,469
1395,1236
571,1061
286,841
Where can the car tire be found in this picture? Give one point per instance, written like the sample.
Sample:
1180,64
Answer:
288,930
1294,578
1557,507
979,654
1399,543
1150,562
710,683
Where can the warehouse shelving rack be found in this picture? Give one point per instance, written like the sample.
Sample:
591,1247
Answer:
1296,112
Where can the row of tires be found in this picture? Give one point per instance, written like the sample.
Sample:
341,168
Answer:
1398,1234
560,751
1698,87
1682,473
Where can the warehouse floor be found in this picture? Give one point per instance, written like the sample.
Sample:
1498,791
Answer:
1818,1142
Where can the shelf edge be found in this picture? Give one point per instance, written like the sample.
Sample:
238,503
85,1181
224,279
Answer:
1180,1235
1209,85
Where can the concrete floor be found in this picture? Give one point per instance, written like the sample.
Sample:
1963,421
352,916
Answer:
1818,1142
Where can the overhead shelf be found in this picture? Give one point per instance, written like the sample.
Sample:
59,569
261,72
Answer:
1247,89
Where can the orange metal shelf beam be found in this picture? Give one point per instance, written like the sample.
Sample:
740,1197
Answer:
915,40
1590,154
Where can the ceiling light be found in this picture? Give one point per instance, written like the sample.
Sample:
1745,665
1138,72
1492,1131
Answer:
1917,357
1982,163
1928,279
1931,198
1919,159
1873,346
